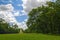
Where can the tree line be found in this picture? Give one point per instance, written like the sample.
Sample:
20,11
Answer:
7,28
45,19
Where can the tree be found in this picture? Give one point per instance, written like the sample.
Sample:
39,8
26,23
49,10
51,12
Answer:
15,26
6,28
3,26
45,19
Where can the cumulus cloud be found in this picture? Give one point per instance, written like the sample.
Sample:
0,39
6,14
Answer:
6,13
7,7
22,25
23,13
19,13
28,5
16,13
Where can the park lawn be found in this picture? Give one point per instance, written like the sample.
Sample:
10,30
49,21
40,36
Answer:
28,36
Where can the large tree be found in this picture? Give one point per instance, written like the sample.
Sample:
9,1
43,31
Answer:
45,19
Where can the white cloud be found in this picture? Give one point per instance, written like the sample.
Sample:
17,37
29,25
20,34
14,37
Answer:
17,13
22,25
25,20
7,7
6,11
28,5
23,13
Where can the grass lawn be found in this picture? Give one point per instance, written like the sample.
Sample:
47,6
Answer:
26,36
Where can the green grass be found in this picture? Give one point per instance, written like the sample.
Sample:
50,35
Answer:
25,36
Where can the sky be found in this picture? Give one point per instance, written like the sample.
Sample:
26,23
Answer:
16,11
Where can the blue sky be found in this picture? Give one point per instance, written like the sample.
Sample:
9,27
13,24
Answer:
17,4
16,11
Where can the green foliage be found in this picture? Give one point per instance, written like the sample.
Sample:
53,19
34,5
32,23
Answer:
5,27
45,19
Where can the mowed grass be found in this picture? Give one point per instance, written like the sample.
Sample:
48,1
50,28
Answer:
28,36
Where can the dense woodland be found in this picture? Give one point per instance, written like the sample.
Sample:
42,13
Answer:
45,19
7,28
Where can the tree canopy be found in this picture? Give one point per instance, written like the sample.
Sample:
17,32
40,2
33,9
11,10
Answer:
6,28
45,19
